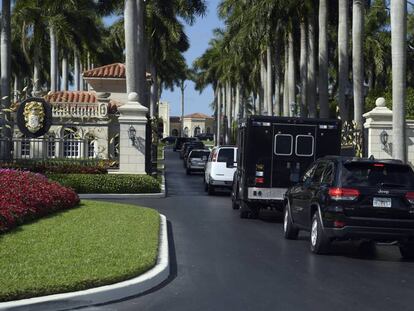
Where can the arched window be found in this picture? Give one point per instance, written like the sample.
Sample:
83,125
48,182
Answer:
25,147
71,143
186,131
51,145
197,131
208,131
174,132
91,146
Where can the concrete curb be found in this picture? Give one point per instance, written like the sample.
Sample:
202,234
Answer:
107,293
162,194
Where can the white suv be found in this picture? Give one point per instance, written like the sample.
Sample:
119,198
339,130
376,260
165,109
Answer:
220,168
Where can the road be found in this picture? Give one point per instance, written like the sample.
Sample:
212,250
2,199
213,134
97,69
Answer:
221,262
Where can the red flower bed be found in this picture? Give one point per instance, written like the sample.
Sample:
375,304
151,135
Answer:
25,196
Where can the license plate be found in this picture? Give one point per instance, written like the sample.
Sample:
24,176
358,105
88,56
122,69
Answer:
382,202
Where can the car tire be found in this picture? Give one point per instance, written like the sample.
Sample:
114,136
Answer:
247,211
407,250
210,189
319,243
234,204
367,248
188,171
290,231
205,186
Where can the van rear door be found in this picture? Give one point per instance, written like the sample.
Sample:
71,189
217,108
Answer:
293,152
225,165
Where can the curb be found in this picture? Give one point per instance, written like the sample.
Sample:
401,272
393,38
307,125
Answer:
107,293
162,194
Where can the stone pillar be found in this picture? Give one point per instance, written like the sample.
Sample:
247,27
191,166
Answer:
132,151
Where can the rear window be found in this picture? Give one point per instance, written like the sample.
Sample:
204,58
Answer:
199,154
283,144
377,174
304,145
225,155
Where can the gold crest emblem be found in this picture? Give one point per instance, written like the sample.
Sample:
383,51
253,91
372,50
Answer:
34,115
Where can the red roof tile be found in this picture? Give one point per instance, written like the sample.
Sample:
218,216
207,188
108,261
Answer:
71,97
198,115
116,70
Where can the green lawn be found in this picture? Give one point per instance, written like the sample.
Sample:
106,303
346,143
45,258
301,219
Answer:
96,244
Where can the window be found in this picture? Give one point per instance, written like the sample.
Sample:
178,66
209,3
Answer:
197,131
304,145
51,146
25,148
225,155
329,174
317,175
174,132
186,131
71,143
90,140
283,144
208,131
373,174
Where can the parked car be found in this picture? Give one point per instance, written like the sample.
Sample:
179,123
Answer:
169,140
181,140
183,148
273,153
342,198
189,147
197,160
220,168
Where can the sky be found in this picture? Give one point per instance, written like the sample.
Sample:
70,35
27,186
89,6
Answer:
199,35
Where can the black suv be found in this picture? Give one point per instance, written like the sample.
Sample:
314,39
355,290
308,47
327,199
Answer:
342,198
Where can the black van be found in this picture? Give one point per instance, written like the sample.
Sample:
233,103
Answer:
273,153
181,140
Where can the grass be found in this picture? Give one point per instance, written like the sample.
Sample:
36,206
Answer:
96,244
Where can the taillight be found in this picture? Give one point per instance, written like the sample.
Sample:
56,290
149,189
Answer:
214,158
339,224
260,180
410,197
343,194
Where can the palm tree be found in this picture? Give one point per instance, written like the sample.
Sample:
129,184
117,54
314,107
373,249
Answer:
312,62
5,49
343,66
323,59
358,60
399,61
291,74
303,68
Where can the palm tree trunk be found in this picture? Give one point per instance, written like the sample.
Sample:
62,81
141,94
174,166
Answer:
343,66
303,69
131,60
182,87
262,103
399,63
277,108
286,84
36,76
65,84
358,60
312,66
228,112
237,107
292,77
16,88
76,69
323,59
53,59
154,91
269,81
142,48
5,49
218,108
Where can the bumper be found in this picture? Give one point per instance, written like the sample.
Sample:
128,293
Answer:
222,183
372,233
196,167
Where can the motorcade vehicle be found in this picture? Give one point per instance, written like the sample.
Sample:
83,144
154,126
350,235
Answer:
183,149
273,154
205,136
181,140
196,161
189,147
343,198
220,168
169,140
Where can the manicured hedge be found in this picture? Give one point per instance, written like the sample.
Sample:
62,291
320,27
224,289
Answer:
98,183
25,196
61,166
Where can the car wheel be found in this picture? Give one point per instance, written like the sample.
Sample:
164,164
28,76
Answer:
407,250
290,231
234,204
210,189
247,211
318,241
205,186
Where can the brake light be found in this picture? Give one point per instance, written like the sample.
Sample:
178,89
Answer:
339,224
260,180
345,194
378,165
410,197
214,158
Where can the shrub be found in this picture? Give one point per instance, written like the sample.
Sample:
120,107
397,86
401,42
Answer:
26,196
99,183
60,166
